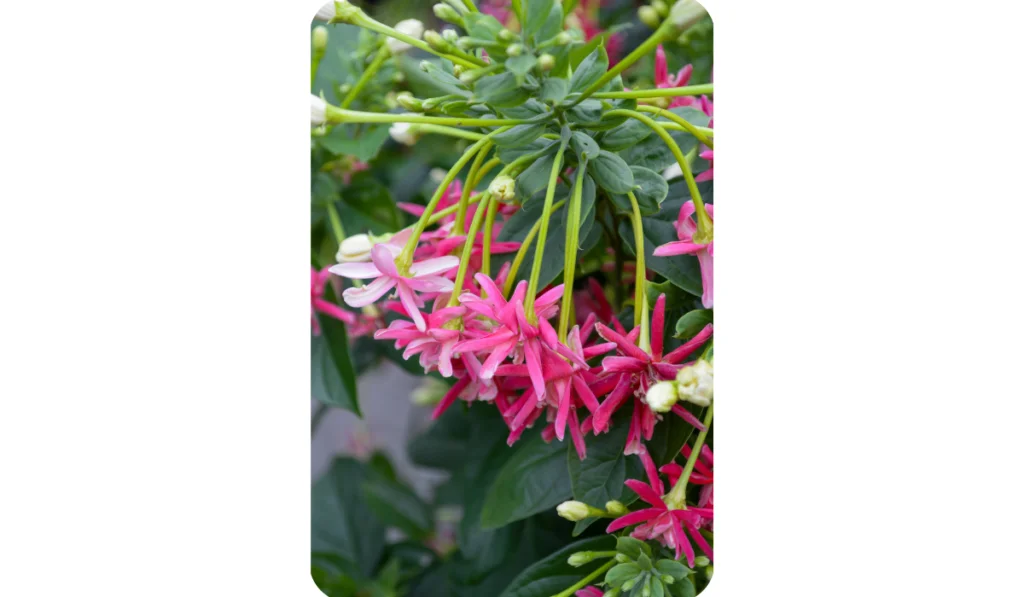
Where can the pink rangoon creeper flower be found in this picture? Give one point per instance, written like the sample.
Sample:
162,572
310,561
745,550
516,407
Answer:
663,80
318,281
434,345
633,371
662,523
424,276
703,474
686,228
589,592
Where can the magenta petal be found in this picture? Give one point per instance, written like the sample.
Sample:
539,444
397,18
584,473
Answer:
706,278
700,541
384,258
677,248
652,472
646,492
682,543
689,347
634,518
450,397
533,364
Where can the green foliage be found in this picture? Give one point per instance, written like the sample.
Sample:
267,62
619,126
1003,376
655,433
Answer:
333,376
532,481
552,574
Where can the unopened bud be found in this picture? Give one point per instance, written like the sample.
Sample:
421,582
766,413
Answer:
320,39
401,132
685,13
506,36
470,76
563,38
696,383
514,50
503,188
616,508
355,248
573,510
434,39
407,101
667,579
546,62
458,69
622,558
318,110
661,7
447,13
450,35
338,11
580,558
662,396
649,16
701,561
411,27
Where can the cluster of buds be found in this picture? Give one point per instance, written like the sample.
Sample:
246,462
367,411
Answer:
652,14
576,511
694,383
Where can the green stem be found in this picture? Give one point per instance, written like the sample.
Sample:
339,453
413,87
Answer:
382,54
317,57
677,497
587,579
524,247
467,253
572,241
368,23
470,6
664,92
340,116
538,255
446,130
659,35
491,165
704,227
492,210
443,213
335,219
640,309
467,188
686,126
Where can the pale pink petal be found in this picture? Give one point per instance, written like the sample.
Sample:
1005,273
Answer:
706,278
678,247
383,257
409,300
355,270
437,265
367,295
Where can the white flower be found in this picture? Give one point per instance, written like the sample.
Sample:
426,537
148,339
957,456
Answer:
400,131
411,27
662,396
573,510
355,248
672,171
326,12
503,188
697,383
318,110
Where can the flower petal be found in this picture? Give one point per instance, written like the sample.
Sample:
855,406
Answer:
367,295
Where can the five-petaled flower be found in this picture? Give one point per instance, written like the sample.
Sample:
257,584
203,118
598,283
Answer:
686,228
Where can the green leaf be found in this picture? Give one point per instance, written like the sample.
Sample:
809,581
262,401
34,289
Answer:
600,477
587,113
363,142
519,135
552,26
652,152
373,202
333,376
501,91
611,173
537,12
535,178
553,574
690,324
445,444
650,192
632,548
481,26
626,135
621,573
589,71
586,148
532,481
682,270
554,90
521,65
342,522
672,568
397,505
682,588
434,75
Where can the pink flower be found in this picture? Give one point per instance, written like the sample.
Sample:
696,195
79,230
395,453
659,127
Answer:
686,228
632,371
663,80
707,154
424,276
662,523
433,345
589,592
318,280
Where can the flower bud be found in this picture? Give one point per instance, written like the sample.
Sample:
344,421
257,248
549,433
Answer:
563,38
662,396
514,50
434,40
411,27
546,62
696,383
685,13
580,558
338,11
450,35
354,248
616,508
573,510
400,131
661,7
318,110
503,188
506,36
701,561
649,16
447,13
407,101
319,39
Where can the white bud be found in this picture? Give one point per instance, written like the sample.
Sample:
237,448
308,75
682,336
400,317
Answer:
503,188
320,38
411,27
696,383
649,16
685,13
573,510
355,248
326,12
672,171
400,131
318,110
662,396
337,11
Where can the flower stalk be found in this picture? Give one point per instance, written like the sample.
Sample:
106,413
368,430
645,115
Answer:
572,241
666,92
677,497
538,255
640,309
382,55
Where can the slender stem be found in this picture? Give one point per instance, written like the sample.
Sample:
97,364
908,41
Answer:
686,126
664,92
318,55
587,579
640,298
492,210
572,241
470,6
340,116
660,34
368,23
491,165
510,281
675,127
467,254
704,227
538,255
335,219
677,497
444,213
382,54
467,188
445,130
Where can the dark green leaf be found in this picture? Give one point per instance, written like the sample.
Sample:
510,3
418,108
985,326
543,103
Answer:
535,179
682,588
537,12
587,113
621,573
586,148
501,91
631,547
342,523
532,481
553,574
398,506
654,154
590,70
363,142
519,135
333,376
554,90
650,192
626,135
690,324
611,173
481,26
672,568
521,65
681,270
